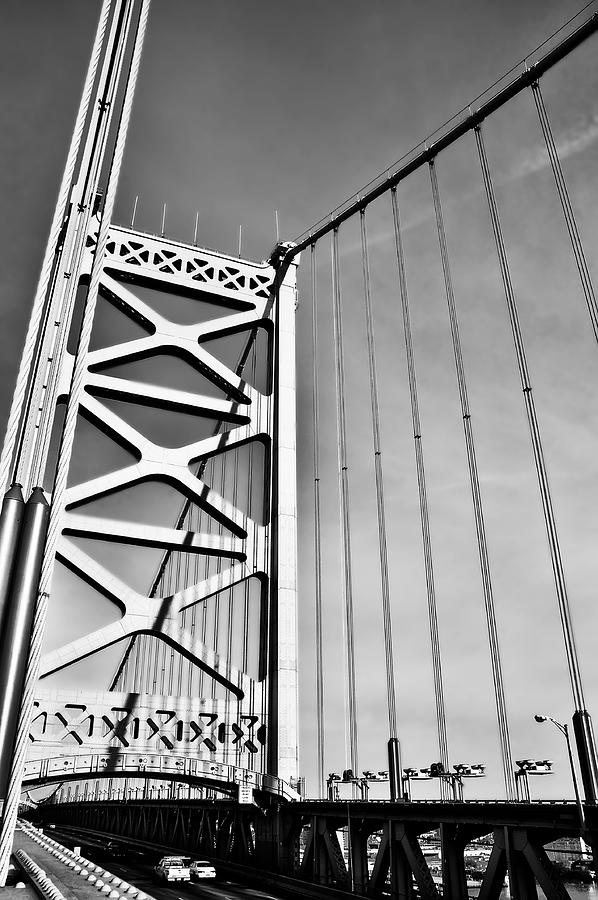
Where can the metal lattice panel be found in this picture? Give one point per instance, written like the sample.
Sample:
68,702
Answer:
129,251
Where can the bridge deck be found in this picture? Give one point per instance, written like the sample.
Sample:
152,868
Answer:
559,815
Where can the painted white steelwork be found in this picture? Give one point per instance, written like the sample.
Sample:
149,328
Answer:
265,551
88,262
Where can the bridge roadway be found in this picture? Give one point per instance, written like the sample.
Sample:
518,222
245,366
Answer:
136,871
140,874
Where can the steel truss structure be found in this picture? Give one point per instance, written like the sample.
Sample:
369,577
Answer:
200,712
243,727
301,841
233,730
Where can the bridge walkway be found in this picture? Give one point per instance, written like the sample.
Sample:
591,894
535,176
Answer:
71,885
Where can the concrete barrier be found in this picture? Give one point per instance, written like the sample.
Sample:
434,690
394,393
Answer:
43,884
81,866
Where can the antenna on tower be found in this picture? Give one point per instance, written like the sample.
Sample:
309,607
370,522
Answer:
277,228
240,239
163,232
134,211
195,229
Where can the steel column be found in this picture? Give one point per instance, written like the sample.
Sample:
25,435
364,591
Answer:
283,758
586,751
11,518
454,879
17,624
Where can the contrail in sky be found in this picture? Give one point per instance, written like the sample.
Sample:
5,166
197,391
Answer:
575,140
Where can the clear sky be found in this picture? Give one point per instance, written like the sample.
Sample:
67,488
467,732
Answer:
247,108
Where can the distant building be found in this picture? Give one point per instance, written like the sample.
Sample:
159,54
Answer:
567,850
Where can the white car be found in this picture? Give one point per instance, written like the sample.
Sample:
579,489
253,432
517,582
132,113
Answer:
172,868
200,869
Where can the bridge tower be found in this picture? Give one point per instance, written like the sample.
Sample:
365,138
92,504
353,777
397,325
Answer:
227,715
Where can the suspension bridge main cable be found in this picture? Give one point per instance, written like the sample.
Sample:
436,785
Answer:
536,441
470,116
343,477
497,677
317,531
423,499
379,479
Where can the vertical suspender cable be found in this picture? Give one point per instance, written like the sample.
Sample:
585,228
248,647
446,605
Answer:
165,649
553,541
125,670
251,513
499,693
136,684
317,531
217,598
377,446
207,570
168,649
561,186
231,591
186,614
157,645
147,650
195,512
177,587
423,500
343,476
160,646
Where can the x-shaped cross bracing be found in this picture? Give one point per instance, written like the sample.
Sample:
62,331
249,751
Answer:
246,412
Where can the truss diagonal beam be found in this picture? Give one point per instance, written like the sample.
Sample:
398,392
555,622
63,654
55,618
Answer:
187,348
139,392
129,600
149,470
167,630
151,536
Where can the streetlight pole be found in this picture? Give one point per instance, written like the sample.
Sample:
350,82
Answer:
564,729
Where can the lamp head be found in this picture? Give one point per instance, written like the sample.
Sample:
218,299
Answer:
541,718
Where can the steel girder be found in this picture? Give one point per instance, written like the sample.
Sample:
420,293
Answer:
297,841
